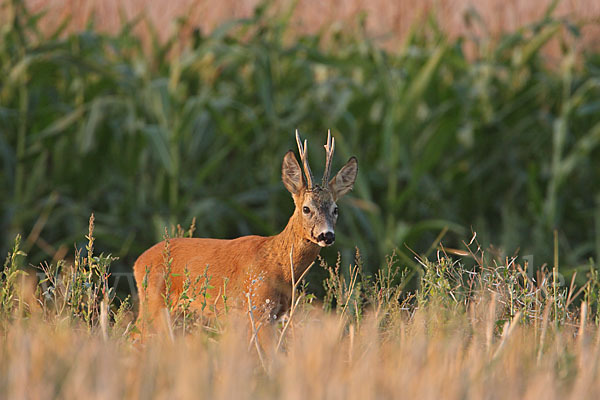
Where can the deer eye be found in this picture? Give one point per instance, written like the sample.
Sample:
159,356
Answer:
306,210
335,211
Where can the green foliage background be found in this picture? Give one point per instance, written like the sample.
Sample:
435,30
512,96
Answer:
505,143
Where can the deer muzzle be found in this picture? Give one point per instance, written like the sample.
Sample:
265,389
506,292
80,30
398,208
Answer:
326,238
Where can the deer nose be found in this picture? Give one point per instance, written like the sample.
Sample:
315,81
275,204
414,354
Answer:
327,237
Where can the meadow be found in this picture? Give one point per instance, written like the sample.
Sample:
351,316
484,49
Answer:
493,331
465,262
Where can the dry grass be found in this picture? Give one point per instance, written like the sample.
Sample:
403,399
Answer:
389,21
431,355
491,334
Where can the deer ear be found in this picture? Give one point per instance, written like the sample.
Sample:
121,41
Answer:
291,174
344,180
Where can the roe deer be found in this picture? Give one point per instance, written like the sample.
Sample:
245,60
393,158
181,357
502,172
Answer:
256,264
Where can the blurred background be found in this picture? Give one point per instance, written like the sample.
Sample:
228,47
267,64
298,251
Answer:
465,117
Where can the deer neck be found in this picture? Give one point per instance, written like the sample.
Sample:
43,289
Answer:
291,239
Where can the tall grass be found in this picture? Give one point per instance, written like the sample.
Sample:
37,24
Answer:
427,357
491,331
506,143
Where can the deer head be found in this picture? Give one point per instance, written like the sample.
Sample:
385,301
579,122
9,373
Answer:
316,207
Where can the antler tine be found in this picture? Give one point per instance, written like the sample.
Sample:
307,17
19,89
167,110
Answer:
304,158
329,149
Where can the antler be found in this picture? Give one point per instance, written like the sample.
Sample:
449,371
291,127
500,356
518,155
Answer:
304,158
329,148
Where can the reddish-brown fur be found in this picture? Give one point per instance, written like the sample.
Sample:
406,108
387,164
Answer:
256,268
264,260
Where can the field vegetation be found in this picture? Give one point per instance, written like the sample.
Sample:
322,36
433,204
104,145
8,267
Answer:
492,331
455,134
505,145
387,22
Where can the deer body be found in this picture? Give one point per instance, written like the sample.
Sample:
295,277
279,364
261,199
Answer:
251,264
253,269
